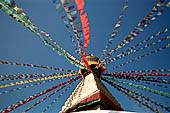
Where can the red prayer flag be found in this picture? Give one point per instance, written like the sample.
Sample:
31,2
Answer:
79,4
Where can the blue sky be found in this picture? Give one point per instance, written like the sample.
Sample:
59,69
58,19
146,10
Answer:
18,44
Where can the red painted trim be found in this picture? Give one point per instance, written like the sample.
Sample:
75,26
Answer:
95,97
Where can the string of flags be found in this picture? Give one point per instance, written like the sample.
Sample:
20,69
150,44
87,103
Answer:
139,57
67,55
20,17
132,95
153,84
26,100
138,96
132,49
27,86
135,73
71,20
46,97
37,66
142,87
35,80
24,76
69,87
69,31
152,70
17,13
115,31
139,78
139,27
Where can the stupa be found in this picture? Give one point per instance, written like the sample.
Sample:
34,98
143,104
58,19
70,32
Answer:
91,93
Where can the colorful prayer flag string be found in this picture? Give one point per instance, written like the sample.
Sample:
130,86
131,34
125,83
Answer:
152,70
114,32
27,23
143,88
75,31
26,100
137,29
139,57
153,84
68,30
136,77
46,97
31,85
35,80
132,49
37,66
138,97
24,76
135,73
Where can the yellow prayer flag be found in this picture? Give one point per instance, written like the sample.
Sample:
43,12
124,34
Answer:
58,6
140,29
151,37
38,79
46,78
153,18
49,78
168,4
34,80
42,79
21,82
26,81
139,24
30,81
15,8
69,16
17,83
2,86
117,25
12,84
55,76
125,6
131,38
